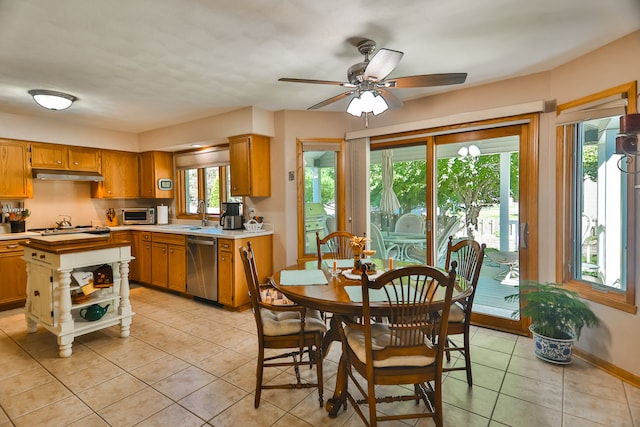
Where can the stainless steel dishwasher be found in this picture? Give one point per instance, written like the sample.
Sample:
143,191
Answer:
202,267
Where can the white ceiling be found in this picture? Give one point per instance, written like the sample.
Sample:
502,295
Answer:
137,65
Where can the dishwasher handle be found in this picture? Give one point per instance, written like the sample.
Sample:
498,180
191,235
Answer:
204,242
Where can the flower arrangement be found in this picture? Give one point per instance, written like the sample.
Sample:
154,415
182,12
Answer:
357,246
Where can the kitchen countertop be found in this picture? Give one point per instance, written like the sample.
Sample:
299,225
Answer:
194,230
185,229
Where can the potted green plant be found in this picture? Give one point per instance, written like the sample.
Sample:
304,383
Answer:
557,318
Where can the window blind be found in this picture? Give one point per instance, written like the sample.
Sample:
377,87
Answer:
202,159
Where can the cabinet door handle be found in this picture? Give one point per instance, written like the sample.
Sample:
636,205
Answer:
12,246
43,256
59,162
75,163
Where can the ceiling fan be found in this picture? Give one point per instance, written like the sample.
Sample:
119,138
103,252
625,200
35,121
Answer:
368,83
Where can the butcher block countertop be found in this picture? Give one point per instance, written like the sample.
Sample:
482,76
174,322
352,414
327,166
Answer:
70,243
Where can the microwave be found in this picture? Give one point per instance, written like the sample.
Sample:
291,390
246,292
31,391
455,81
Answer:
134,216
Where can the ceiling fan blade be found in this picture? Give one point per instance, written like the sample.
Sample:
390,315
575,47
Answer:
319,82
382,64
331,100
392,100
426,80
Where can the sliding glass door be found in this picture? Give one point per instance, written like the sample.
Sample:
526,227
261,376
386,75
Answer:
478,195
398,203
480,184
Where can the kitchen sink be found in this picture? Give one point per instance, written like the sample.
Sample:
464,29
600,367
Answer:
178,227
200,229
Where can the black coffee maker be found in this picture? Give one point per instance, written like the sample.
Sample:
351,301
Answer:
231,218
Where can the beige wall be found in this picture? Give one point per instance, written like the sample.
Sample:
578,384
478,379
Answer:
616,341
56,131
209,131
281,207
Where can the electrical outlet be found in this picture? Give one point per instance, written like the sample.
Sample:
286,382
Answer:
252,212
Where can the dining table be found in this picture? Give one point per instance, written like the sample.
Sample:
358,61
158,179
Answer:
338,292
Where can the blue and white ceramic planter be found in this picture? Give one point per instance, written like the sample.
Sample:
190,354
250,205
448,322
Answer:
551,349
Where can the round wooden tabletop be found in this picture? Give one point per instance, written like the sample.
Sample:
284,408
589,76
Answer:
333,297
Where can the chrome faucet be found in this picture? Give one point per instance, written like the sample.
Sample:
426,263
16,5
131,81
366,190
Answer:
202,208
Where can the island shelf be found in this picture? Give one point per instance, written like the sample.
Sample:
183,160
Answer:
50,263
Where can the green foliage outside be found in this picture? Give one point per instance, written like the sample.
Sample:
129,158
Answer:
590,162
327,185
213,182
409,184
467,184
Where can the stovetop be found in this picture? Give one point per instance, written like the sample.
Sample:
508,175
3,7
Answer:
71,230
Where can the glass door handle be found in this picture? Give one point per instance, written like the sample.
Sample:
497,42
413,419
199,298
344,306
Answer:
524,230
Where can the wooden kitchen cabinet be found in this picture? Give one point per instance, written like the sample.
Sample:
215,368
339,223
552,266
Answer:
121,176
250,165
50,156
128,236
13,286
83,159
155,165
15,170
232,283
143,255
62,157
169,258
225,272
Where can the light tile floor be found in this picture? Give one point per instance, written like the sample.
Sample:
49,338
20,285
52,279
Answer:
190,364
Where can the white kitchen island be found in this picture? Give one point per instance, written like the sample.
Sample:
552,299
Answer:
50,262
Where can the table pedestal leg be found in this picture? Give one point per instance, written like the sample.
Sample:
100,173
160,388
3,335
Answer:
333,334
342,379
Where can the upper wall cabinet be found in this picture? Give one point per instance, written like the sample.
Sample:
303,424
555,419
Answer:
155,165
61,157
250,166
121,171
15,171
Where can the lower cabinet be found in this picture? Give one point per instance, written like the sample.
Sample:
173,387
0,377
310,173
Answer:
232,283
169,259
13,286
128,236
143,256
161,260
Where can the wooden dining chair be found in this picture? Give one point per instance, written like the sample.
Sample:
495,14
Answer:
469,255
399,351
293,328
336,245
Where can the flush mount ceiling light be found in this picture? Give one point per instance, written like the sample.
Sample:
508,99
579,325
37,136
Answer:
52,100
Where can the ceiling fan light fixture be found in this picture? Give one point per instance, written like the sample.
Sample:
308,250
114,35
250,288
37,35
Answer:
51,99
379,105
368,102
355,107
474,151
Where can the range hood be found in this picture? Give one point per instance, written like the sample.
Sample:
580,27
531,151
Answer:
59,175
